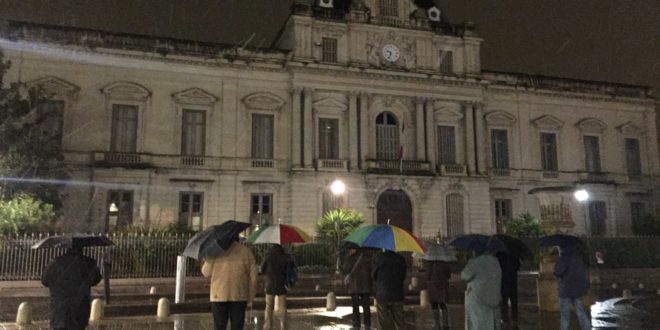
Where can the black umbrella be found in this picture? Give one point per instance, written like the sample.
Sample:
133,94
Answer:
68,241
516,246
561,240
214,240
479,243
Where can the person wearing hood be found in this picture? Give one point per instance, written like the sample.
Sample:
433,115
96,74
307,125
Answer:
274,268
356,269
573,285
482,296
69,279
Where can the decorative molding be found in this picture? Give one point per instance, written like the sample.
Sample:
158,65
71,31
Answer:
630,129
126,90
447,115
196,96
499,118
591,125
53,86
548,122
329,105
417,189
263,101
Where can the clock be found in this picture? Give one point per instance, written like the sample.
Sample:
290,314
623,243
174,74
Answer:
391,52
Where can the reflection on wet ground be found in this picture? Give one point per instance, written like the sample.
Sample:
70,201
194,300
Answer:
627,313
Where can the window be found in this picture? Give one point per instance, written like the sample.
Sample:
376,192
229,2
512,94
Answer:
50,117
331,201
499,141
124,128
389,8
637,211
633,160
193,133
591,154
328,138
455,224
446,62
446,145
597,216
329,50
191,205
120,209
261,209
502,213
387,137
262,136
549,151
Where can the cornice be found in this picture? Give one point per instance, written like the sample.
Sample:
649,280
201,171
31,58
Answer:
568,94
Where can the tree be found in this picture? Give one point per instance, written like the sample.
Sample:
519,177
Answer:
25,214
525,225
335,225
30,156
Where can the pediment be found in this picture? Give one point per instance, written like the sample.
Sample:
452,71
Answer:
548,122
329,104
126,90
630,129
591,125
447,114
499,118
196,96
53,86
263,101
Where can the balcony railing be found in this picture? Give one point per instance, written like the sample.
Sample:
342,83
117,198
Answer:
121,158
394,166
594,176
331,165
262,163
500,172
192,160
453,170
550,174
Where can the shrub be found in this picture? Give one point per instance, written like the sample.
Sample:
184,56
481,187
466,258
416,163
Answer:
25,214
335,225
525,225
647,225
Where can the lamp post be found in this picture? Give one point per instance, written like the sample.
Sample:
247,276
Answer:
582,196
337,188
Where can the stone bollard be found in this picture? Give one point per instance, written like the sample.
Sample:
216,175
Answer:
626,293
24,314
331,302
614,285
641,286
414,281
658,292
97,312
317,288
152,290
163,308
424,298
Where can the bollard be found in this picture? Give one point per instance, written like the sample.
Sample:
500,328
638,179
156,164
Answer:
424,299
180,289
641,285
317,287
410,287
614,285
152,290
163,308
414,281
331,302
97,312
658,292
626,293
24,314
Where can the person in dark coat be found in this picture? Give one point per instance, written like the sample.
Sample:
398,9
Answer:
356,268
69,278
510,264
275,270
573,285
437,276
388,274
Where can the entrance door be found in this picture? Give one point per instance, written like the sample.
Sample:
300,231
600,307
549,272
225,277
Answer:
395,206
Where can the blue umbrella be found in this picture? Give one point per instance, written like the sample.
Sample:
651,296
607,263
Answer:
214,240
478,243
561,240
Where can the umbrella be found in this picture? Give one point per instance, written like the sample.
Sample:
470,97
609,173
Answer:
438,252
387,237
279,234
214,240
479,243
68,241
515,246
560,240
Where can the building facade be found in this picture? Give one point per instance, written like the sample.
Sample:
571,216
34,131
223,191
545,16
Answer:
383,95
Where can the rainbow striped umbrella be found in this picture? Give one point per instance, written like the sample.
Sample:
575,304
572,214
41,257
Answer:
387,237
279,234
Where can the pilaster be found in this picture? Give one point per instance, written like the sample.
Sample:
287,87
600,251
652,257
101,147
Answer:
353,137
296,134
430,134
308,125
364,129
469,138
481,138
420,129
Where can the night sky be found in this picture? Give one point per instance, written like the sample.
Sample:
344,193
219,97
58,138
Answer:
605,40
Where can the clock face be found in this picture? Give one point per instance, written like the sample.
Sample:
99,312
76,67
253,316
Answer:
391,53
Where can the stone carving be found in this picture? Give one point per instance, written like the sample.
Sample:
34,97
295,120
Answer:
630,129
591,125
124,90
417,188
53,86
408,55
196,96
499,118
263,101
408,58
548,122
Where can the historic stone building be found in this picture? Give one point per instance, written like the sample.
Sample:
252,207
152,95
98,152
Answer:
383,95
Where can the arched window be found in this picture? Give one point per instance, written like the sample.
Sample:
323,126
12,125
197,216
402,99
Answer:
387,137
455,223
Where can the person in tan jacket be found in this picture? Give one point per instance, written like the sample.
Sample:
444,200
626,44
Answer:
233,285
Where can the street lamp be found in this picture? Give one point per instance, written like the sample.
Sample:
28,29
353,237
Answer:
582,196
337,188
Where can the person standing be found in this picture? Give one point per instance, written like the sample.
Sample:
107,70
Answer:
357,278
437,275
482,297
69,279
510,264
233,285
275,270
573,285
388,274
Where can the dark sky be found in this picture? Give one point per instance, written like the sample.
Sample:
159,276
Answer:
606,40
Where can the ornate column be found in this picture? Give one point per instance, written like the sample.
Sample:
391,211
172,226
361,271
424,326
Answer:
296,136
430,134
353,137
419,128
364,129
469,138
481,139
308,128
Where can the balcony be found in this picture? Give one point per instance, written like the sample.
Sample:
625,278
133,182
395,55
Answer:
594,177
407,167
499,172
332,165
262,163
119,159
192,161
550,175
453,170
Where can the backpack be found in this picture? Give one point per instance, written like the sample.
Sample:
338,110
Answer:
291,274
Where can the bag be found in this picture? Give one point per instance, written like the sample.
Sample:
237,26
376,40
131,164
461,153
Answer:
291,274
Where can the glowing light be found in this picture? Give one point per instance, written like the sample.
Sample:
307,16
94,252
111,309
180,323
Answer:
338,187
113,208
581,195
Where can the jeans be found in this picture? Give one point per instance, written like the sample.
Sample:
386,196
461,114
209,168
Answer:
270,306
390,316
233,311
361,299
565,307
